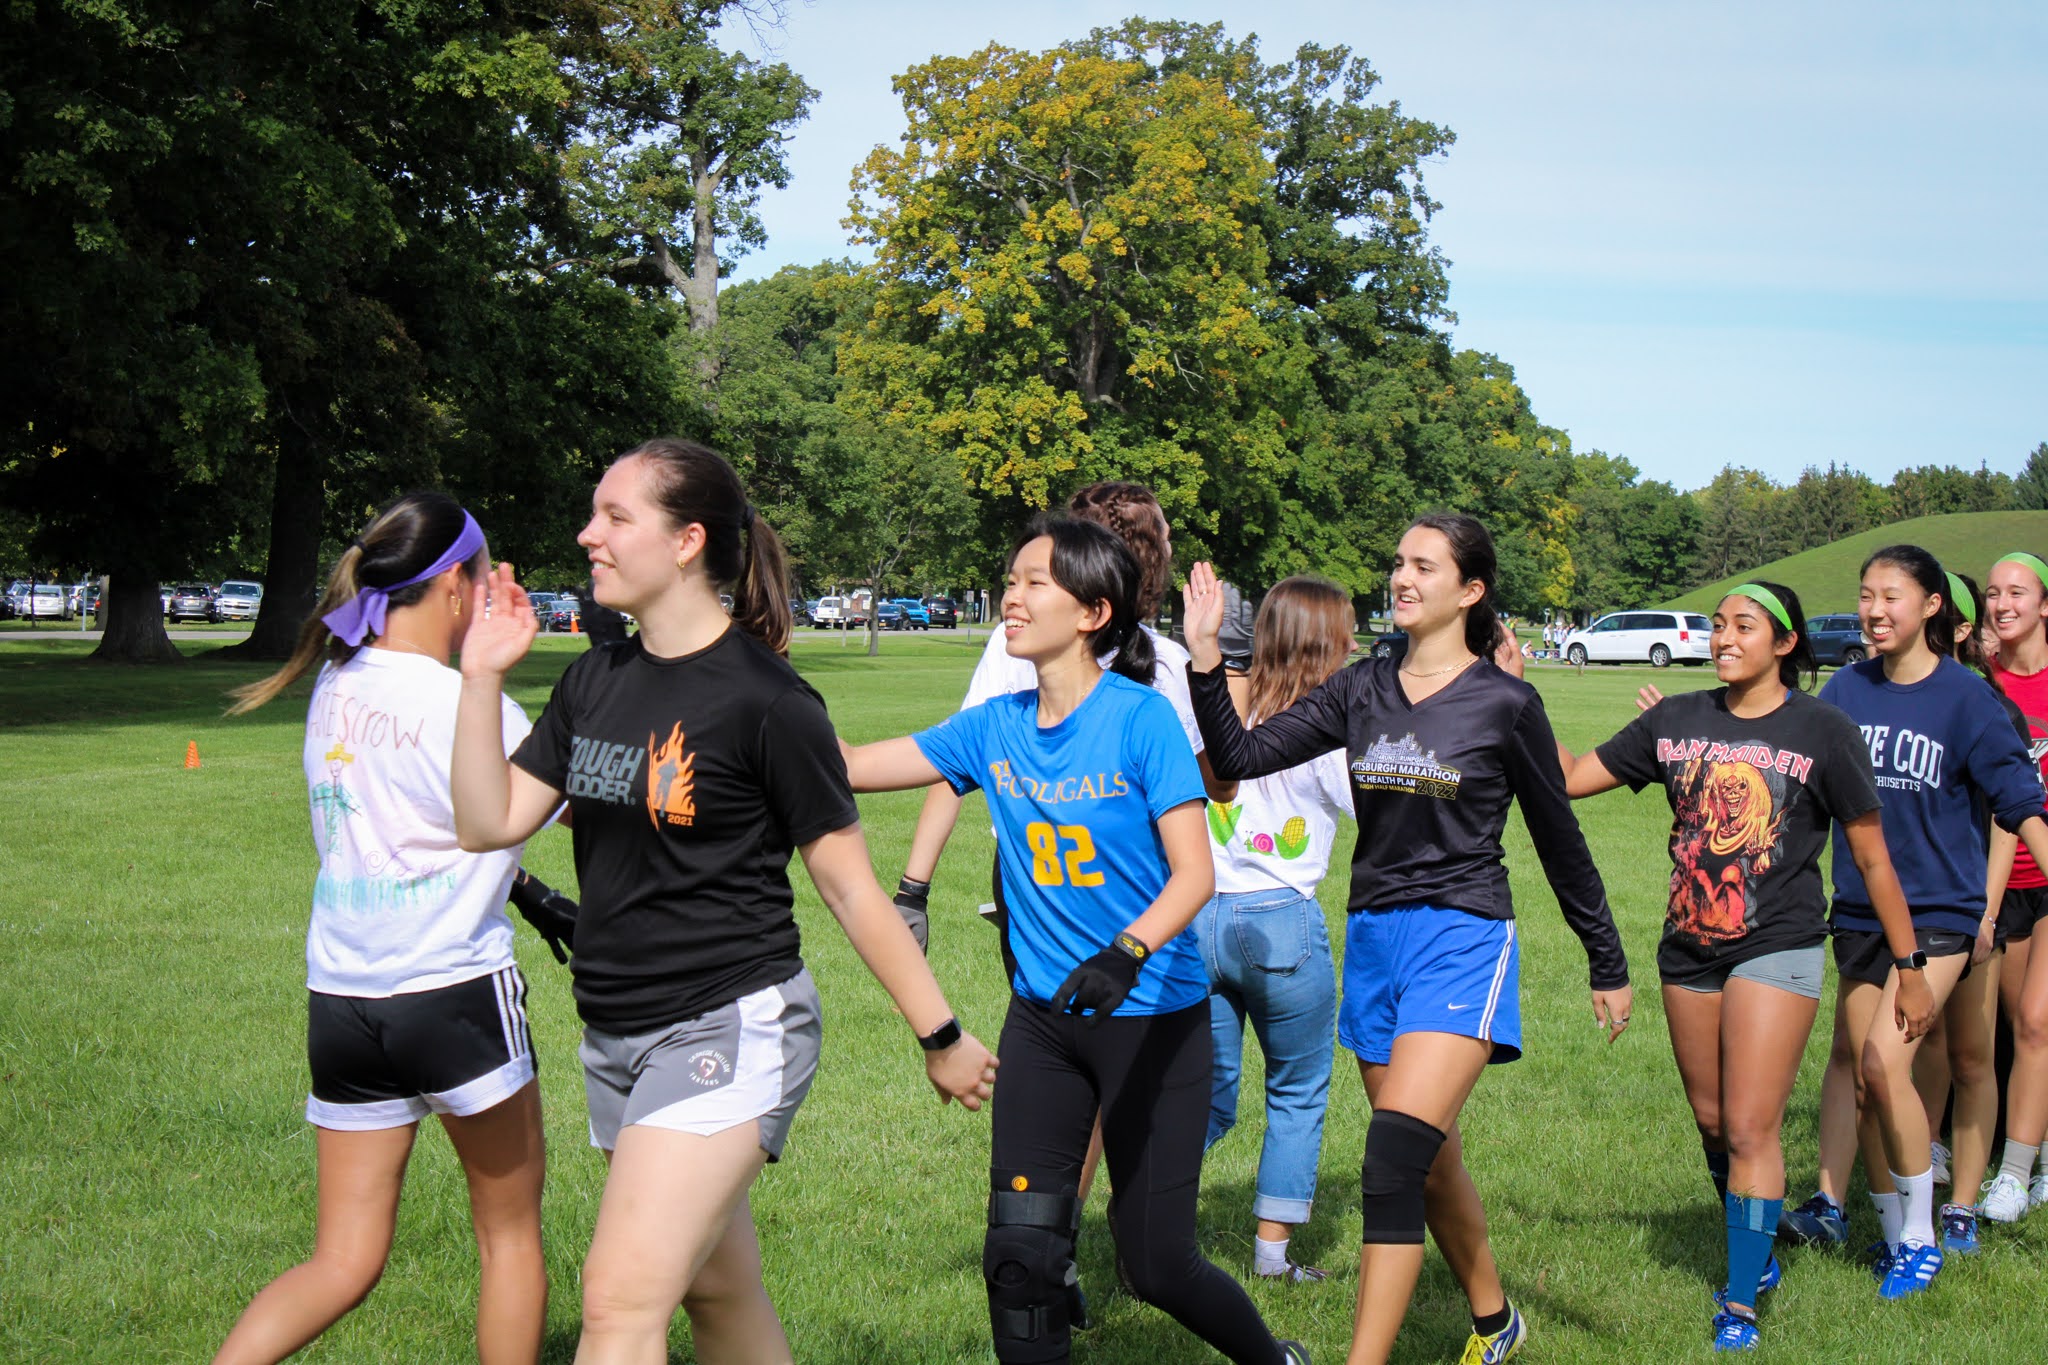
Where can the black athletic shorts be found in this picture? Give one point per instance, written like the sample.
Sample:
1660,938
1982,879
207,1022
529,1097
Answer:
390,1061
2022,908
1863,954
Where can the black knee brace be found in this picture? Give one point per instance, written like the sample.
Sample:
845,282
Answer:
1028,1262
1399,1150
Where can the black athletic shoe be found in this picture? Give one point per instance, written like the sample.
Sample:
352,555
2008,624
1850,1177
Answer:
1294,1353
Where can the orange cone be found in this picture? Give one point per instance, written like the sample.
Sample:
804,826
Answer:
192,753
576,624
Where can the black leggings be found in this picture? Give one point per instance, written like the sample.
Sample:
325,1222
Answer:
1149,1078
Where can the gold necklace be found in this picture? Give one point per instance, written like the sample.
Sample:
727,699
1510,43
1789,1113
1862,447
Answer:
1439,672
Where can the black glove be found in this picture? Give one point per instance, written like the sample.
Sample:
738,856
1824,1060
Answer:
913,901
1101,983
1234,640
547,910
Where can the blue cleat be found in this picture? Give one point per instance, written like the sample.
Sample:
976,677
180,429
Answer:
1959,1229
1881,1255
1735,1331
1497,1346
1911,1271
1817,1222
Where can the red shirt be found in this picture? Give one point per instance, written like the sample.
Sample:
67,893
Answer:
2029,691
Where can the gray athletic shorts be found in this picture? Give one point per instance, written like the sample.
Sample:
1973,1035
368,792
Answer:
748,1062
1797,970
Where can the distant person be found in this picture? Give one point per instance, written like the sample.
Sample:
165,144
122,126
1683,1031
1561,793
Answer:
603,625
415,1005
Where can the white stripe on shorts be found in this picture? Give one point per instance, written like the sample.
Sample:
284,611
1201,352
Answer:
1500,976
508,1020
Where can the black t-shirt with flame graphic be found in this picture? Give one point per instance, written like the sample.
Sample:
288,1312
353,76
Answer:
691,780
1752,801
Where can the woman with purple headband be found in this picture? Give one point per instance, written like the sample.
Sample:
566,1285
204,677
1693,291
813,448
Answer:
415,1005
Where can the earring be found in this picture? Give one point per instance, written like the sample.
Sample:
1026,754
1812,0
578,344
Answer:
682,563
456,599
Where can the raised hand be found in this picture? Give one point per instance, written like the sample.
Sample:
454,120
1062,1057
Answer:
500,636
1202,616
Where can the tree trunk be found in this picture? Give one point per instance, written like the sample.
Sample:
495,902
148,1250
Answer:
702,290
291,578
135,622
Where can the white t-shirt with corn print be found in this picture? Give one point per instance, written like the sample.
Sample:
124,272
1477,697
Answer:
1279,831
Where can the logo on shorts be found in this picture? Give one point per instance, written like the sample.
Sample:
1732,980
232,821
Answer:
709,1067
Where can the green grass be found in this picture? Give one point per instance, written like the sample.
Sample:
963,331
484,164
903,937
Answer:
155,1170
1825,577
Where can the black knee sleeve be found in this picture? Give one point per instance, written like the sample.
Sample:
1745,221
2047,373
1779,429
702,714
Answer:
1399,1150
1028,1263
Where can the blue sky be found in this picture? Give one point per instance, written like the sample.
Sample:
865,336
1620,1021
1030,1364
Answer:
1773,234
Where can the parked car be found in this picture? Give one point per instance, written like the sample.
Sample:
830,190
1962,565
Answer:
915,617
190,602
1655,637
942,612
840,613
47,602
1392,645
237,600
1837,639
799,612
564,613
542,604
890,616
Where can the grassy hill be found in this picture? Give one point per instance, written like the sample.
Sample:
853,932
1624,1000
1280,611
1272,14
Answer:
1825,576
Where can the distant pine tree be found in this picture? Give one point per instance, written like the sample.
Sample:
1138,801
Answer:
2030,488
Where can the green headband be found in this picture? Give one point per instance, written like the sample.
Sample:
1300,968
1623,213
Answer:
1960,594
1766,599
2029,562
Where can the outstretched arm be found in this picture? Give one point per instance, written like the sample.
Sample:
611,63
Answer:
890,765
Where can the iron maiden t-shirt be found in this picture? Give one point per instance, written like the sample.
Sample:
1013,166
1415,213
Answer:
691,781
1751,801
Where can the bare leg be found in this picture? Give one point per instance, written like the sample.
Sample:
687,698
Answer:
1842,1130
1090,1162
1972,1016
669,1204
1694,1019
1888,1073
1428,1078
731,1318
2026,1109
360,1177
1931,1074
1763,1036
504,1158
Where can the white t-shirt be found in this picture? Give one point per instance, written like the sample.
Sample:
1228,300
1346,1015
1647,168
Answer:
1281,829
398,906
999,674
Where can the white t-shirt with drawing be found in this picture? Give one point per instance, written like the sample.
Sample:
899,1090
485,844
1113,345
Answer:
398,907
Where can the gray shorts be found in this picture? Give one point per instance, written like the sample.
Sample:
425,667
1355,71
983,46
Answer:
1797,970
748,1062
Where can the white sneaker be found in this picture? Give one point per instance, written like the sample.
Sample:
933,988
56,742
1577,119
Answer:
2038,1194
1938,1158
2005,1198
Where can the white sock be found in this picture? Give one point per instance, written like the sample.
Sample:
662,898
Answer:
1916,1197
2018,1161
1890,1215
1268,1258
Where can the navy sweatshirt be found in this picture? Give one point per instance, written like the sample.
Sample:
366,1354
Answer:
1945,755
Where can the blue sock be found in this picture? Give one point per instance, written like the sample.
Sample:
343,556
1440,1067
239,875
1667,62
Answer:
1752,1224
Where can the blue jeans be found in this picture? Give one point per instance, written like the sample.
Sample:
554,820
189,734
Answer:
1268,957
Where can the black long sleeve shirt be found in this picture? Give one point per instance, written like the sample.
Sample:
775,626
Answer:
1430,784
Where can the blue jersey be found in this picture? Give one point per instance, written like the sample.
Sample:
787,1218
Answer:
1946,757
1074,806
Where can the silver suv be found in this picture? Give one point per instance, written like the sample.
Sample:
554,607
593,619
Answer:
237,601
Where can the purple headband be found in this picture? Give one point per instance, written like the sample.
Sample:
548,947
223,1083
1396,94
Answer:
363,615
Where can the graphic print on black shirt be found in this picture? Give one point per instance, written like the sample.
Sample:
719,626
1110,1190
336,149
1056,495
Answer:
692,781
1751,803
1404,767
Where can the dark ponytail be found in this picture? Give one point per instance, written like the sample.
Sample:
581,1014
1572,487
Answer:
400,542
1472,550
693,483
1925,570
1092,564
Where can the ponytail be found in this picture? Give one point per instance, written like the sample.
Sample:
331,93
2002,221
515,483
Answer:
1135,658
694,483
1092,564
403,540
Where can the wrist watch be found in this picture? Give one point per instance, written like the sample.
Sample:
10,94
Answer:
942,1037
1912,962
1132,946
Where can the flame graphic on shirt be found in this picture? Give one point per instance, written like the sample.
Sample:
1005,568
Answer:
671,780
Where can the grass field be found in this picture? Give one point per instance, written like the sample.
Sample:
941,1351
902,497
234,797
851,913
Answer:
1825,576
155,1170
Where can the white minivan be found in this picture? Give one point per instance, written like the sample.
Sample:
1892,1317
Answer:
1654,637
